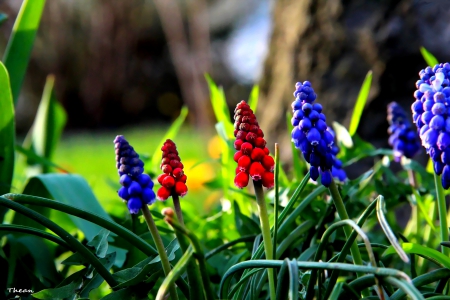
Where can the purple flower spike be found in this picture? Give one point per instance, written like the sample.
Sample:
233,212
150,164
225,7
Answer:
433,118
403,138
136,187
313,137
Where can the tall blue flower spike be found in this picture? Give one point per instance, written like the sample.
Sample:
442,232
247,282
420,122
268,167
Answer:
403,137
431,113
310,133
137,187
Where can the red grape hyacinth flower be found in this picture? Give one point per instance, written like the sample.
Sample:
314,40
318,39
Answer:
173,180
252,155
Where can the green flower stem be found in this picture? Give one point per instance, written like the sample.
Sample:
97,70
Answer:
342,212
160,247
277,199
177,271
177,206
36,232
442,208
102,222
265,230
199,255
64,235
193,272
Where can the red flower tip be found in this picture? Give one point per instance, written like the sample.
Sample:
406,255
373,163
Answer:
181,188
166,169
177,173
163,193
266,151
240,135
237,155
161,178
260,142
244,163
168,182
241,180
268,180
238,144
173,180
258,154
256,171
246,148
183,178
268,163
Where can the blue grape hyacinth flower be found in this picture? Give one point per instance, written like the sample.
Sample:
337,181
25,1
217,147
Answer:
137,187
403,137
337,171
310,133
431,113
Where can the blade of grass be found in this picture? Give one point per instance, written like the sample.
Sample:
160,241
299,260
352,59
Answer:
48,125
253,99
388,231
7,133
220,106
428,57
277,199
360,103
20,44
428,253
171,133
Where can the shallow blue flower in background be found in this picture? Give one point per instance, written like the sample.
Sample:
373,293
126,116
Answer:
137,187
403,137
312,136
431,113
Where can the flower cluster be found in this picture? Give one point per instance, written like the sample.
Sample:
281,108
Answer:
136,187
173,180
336,171
403,138
252,155
431,113
310,133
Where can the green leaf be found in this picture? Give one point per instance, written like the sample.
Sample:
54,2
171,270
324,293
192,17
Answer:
360,103
100,243
95,282
429,58
72,190
244,224
428,253
75,259
7,134
33,157
170,134
336,291
343,137
253,99
48,125
20,44
220,106
60,292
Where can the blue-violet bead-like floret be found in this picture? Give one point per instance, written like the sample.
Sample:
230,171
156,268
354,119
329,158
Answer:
403,137
311,135
137,187
431,113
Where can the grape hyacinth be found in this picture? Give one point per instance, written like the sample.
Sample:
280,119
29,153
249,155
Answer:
431,113
310,133
252,155
403,138
173,180
137,187
336,171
